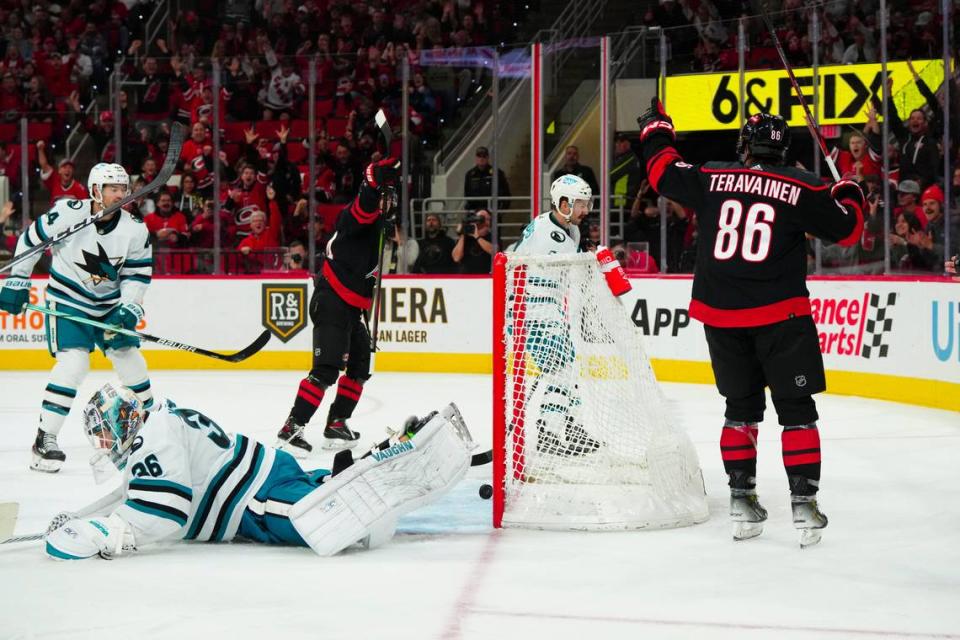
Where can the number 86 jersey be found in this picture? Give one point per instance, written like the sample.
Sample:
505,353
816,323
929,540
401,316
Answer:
752,223
186,478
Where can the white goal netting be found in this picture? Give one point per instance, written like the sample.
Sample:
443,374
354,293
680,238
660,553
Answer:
587,440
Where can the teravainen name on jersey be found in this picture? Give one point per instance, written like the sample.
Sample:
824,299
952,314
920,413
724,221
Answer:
97,267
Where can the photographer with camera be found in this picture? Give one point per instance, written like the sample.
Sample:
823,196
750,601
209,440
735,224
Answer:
473,251
295,260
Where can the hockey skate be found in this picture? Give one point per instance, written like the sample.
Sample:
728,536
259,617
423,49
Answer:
47,455
290,438
747,514
339,435
808,519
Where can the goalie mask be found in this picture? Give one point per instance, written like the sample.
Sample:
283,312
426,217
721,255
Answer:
104,173
574,190
111,421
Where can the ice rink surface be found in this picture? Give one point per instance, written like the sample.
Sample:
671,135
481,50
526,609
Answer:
888,566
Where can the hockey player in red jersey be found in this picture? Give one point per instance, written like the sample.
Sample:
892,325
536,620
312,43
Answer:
749,291
343,293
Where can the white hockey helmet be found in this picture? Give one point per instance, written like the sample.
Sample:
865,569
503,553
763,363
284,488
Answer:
104,173
111,421
570,188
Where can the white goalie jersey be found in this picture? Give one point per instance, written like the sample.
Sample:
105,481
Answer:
544,236
98,267
188,479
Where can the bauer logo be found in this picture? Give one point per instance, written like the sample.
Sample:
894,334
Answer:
855,326
284,309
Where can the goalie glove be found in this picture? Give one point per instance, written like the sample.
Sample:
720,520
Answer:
82,538
654,121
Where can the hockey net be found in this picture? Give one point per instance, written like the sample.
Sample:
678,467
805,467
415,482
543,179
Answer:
583,438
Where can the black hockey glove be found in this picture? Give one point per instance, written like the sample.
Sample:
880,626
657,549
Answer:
385,173
849,194
655,120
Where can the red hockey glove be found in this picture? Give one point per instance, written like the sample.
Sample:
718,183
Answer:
848,193
655,120
384,173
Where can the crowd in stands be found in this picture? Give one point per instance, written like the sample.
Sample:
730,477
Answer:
849,32
57,57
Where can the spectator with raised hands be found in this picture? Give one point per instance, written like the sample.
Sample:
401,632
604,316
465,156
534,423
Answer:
59,183
284,88
154,94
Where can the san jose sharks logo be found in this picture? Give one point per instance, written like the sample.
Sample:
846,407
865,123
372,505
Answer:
100,266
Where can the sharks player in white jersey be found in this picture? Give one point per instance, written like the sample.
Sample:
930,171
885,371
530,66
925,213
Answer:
558,230
100,272
185,478
548,341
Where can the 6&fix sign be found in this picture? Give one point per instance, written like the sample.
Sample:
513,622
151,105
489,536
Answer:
711,101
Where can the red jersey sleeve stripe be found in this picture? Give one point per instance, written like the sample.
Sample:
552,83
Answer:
854,236
363,217
658,164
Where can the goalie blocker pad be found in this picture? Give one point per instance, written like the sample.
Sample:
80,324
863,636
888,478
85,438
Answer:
363,502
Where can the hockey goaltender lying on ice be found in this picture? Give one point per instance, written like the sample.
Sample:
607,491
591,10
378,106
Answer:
185,478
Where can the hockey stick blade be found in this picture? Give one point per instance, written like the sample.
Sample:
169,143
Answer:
381,120
8,518
239,356
479,459
30,537
178,134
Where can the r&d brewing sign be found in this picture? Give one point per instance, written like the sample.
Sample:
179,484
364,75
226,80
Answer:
710,101
284,309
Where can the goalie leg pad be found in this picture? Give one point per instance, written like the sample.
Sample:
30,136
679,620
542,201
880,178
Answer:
363,502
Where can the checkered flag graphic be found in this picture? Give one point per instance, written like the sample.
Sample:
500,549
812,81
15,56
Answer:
878,324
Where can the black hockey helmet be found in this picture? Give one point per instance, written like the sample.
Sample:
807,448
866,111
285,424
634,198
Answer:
764,136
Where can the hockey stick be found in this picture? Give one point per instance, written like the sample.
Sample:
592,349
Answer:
8,516
479,459
177,135
811,125
239,356
381,120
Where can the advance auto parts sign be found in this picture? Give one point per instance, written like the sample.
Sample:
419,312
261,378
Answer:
710,101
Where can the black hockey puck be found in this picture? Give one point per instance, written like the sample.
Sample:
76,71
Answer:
486,491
